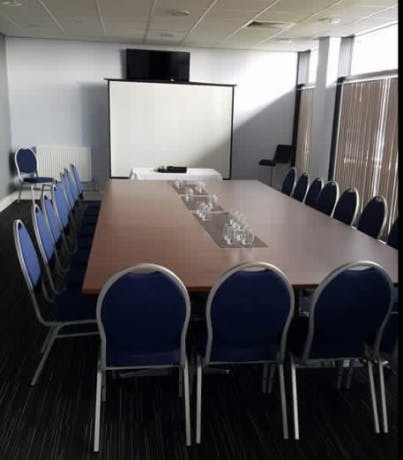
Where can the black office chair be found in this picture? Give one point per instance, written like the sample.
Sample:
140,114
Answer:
281,155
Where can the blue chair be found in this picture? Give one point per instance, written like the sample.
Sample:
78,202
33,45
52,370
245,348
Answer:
393,237
289,182
373,217
143,315
248,312
58,275
27,171
301,187
69,308
347,206
327,198
350,306
65,257
92,207
314,192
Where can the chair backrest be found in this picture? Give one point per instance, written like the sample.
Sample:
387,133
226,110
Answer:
27,256
45,241
49,212
145,314
289,182
314,192
77,180
60,205
283,153
248,314
347,206
327,198
67,190
30,265
373,217
25,161
72,184
350,307
301,187
393,237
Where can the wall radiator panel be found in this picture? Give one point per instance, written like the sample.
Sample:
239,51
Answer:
52,159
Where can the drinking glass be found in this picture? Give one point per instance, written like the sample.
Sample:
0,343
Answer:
248,236
212,200
189,194
200,187
228,234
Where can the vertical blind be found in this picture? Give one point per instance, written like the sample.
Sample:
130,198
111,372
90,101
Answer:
367,143
302,149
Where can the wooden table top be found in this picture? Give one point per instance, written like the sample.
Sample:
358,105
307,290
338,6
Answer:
146,221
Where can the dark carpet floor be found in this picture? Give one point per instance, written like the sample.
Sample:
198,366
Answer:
143,418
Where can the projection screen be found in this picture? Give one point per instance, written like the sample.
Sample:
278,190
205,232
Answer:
178,124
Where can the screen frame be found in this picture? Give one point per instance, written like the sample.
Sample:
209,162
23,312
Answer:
233,86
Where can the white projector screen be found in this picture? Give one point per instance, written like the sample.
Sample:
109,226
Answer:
178,124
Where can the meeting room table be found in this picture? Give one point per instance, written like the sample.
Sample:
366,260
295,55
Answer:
148,221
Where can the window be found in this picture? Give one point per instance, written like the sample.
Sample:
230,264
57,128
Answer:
375,51
304,130
367,143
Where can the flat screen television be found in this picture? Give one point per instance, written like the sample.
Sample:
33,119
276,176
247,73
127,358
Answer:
157,65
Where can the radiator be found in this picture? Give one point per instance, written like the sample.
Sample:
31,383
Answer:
52,159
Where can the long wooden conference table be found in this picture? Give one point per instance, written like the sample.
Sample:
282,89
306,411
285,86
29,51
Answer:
147,221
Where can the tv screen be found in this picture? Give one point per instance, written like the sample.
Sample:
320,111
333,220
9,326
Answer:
157,65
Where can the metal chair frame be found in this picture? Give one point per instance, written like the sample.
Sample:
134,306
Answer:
103,367
204,363
372,357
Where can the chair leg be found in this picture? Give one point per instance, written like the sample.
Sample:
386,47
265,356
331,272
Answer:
187,402
103,386
180,384
373,396
46,341
294,398
45,355
97,421
264,378
383,397
19,193
271,378
283,400
198,400
339,374
350,375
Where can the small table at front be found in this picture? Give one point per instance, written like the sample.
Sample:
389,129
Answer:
192,174
146,221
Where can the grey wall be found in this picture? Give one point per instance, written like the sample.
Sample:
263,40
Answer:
58,96
5,139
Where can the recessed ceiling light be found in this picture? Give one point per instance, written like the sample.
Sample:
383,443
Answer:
180,13
11,3
285,41
330,20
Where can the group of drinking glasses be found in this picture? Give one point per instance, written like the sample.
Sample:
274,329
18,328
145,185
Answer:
236,230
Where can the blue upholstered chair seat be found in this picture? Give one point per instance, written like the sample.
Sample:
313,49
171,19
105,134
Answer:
127,359
72,305
38,180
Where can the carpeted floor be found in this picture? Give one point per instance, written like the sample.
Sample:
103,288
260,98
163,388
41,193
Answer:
143,418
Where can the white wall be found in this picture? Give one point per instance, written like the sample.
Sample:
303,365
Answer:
5,139
58,95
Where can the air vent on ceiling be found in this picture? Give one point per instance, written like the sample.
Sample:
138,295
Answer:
268,25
